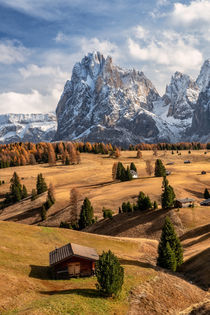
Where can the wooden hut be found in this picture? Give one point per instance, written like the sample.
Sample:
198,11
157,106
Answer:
73,260
184,203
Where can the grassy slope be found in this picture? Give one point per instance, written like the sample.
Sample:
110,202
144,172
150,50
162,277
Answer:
25,287
93,179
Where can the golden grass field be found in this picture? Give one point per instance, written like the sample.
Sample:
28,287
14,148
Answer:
93,178
26,288
25,285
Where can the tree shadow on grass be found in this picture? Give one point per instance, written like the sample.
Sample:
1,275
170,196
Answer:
90,293
136,263
40,272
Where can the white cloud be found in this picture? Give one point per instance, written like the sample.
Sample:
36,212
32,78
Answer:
167,48
140,32
33,102
33,70
12,51
196,12
162,3
94,44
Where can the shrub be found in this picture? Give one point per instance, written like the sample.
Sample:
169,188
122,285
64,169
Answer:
110,274
107,213
143,202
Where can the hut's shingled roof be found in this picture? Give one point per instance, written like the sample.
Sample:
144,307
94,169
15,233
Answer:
69,250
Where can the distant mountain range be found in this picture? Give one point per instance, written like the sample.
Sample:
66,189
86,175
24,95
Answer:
103,102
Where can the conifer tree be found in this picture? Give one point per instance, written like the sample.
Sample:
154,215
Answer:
41,185
155,205
160,170
143,202
33,194
110,274
168,196
43,213
15,188
165,258
206,194
133,167
24,192
86,214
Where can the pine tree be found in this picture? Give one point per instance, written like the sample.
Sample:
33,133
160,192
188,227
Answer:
169,236
15,188
41,185
143,202
170,258
24,192
133,167
110,274
128,175
155,205
86,214
168,196
33,194
43,213
206,194
160,170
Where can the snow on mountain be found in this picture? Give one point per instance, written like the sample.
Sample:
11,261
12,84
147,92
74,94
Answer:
27,127
103,102
204,76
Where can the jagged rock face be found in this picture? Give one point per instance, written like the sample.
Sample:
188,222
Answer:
204,76
181,96
27,127
103,100
201,119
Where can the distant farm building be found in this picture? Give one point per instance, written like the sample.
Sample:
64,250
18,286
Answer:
134,174
203,172
205,202
184,203
170,163
187,162
168,172
73,260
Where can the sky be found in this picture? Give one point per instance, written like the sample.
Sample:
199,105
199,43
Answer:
40,41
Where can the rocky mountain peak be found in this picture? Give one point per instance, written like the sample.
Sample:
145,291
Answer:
204,76
181,95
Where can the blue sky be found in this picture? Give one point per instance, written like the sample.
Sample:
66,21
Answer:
41,40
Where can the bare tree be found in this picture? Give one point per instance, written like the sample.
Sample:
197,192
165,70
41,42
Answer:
74,204
149,167
155,152
139,154
114,170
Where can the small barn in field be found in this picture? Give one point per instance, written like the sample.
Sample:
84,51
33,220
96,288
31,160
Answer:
184,203
134,174
73,260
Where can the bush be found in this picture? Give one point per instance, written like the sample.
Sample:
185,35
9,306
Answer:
127,207
110,274
107,213
143,202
